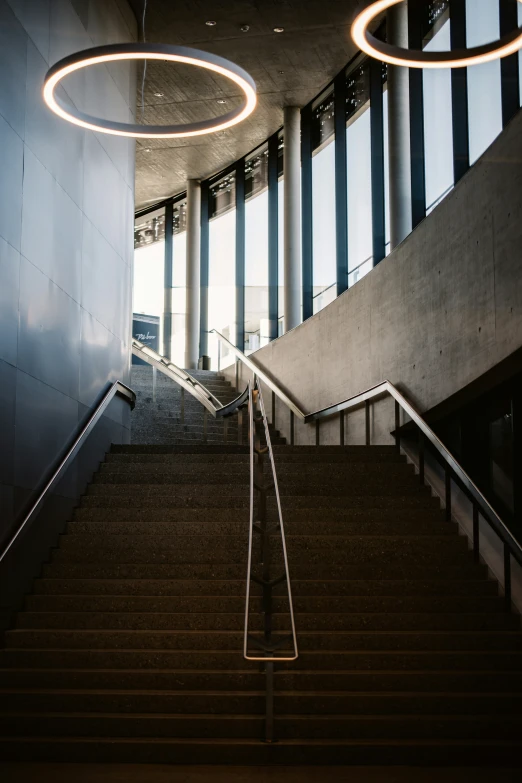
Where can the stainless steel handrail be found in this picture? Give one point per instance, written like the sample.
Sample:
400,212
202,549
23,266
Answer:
266,644
372,394
267,380
175,373
117,388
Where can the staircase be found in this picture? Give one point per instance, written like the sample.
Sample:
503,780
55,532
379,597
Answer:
129,649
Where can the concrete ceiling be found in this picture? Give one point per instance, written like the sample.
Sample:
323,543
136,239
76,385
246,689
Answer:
289,68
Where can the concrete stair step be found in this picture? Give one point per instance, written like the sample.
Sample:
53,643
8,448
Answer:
302,488
326,622
319,484
327,660
156,498
236,527
438,571
305,459
252,702
287,470
187,679
253,752
364,727
226,604
300,588
419,640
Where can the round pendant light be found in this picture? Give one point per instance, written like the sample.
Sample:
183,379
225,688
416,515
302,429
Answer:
395,55
140,51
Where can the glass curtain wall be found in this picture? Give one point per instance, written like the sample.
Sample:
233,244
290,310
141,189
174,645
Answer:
149,265
484,90
222,268
359,171
256,250
323,204
438,130
179,281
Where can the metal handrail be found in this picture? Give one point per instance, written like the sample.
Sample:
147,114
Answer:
117,388
175,373
187,381
266,645
452,466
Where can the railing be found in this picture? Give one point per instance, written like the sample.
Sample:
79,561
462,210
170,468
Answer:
189,384
117,388
453,471
269,648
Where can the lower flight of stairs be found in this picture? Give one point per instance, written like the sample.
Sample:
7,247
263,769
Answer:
129,649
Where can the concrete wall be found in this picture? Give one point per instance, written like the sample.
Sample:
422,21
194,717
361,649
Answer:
435,315
66,248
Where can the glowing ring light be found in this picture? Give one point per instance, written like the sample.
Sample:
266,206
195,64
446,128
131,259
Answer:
458,58
139,51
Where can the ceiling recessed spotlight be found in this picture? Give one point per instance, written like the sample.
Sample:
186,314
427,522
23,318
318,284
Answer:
211,23
146,51
281,72
279,29
158,94
147,149
221,100
245,28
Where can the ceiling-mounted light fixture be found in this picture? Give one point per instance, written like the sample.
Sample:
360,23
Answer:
279,29
139,51
415,58
211,23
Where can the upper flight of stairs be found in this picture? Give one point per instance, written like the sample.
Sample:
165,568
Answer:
129,649
159,420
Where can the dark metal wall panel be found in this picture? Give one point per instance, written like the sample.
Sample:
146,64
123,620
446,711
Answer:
418,184
240,254
273,236
509,66
307,211
168,281
203,318
66,228
459,93
377,147
341,183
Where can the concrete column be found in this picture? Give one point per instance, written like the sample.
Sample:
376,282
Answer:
292,219
193,274
399,129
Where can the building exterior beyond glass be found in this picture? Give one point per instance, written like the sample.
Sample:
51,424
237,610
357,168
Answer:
454,117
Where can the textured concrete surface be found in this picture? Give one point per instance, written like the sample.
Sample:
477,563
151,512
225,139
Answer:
436,314
145,773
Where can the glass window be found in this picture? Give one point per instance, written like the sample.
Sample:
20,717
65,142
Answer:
256,251
222,268
484,94
323,204
386,149
280,236
179,281
438,130
359,172
149,264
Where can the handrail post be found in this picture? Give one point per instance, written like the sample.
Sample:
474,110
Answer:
421,458
397,426
507,578
476,533
447,483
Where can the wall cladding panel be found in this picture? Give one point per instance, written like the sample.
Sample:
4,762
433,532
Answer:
64,325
